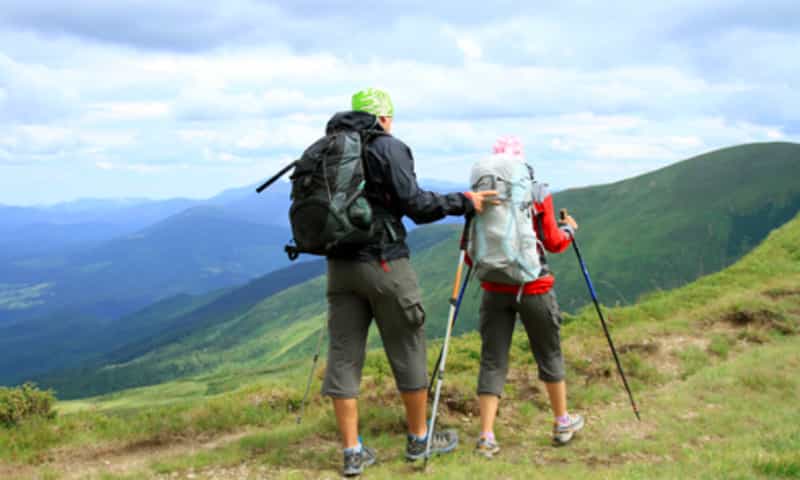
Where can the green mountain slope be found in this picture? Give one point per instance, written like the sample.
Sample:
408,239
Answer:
159,324
241,327
713,366
666,228
653,232
51,342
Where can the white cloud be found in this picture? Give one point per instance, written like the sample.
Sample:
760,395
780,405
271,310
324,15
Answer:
592,104
140,168
775,134
629,151
560,144
129,110
38,143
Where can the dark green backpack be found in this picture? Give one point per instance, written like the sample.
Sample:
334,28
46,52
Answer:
329,210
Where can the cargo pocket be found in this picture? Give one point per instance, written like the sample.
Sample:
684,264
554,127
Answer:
411,306
405,285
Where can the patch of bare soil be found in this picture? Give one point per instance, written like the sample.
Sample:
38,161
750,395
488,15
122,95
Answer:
763,318
92,462
17,471
528,387
459,403
249,471
646,347
742,318
778,293
662,352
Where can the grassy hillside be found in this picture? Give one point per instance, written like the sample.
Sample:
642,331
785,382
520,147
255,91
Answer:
713,366
666,228
652,232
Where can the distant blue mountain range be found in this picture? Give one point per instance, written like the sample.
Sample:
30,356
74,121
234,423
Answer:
76,272
112,256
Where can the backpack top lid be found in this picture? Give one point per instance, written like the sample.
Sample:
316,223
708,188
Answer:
508,174
505,165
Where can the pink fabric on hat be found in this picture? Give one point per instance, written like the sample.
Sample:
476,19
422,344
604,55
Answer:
508,144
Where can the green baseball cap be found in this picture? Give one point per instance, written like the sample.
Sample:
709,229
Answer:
374,101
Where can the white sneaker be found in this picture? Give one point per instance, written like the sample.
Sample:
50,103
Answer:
562,434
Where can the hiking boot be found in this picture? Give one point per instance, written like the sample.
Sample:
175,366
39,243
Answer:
442,442
562,434
355,462
487,448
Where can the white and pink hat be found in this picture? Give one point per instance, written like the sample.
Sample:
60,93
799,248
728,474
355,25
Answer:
508,145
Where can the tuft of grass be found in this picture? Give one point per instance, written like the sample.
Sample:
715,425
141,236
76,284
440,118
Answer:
27,401
720,345
781,466
692,360
639,368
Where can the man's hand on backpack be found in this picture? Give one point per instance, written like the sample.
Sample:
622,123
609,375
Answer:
480,199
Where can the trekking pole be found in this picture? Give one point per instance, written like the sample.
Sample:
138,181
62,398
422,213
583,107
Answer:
311,375
458,309
449,330
275,177
602,319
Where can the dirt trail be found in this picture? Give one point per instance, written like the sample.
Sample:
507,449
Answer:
93,462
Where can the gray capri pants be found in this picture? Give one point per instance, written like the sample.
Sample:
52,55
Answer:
542,320
357,292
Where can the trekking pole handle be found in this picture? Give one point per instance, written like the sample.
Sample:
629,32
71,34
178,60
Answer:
465,232
563,213
562,216
562,222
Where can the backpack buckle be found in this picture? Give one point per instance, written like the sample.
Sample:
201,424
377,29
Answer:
291,252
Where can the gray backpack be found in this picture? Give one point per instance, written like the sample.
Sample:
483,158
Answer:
502,242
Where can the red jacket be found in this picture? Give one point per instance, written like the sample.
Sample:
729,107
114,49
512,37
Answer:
554,239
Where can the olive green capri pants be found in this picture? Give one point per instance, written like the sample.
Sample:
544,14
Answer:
359,291
542,321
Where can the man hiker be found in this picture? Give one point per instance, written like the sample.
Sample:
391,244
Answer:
376,281
533,300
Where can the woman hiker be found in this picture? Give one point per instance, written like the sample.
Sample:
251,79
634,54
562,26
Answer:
536,305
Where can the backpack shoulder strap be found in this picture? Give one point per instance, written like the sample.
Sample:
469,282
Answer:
367,136
538,217
539,191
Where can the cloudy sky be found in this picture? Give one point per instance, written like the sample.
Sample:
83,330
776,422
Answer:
129,98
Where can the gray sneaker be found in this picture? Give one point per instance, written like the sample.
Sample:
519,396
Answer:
487,448
443,442
355,462
562,434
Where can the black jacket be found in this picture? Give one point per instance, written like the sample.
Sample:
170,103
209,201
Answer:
393,191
